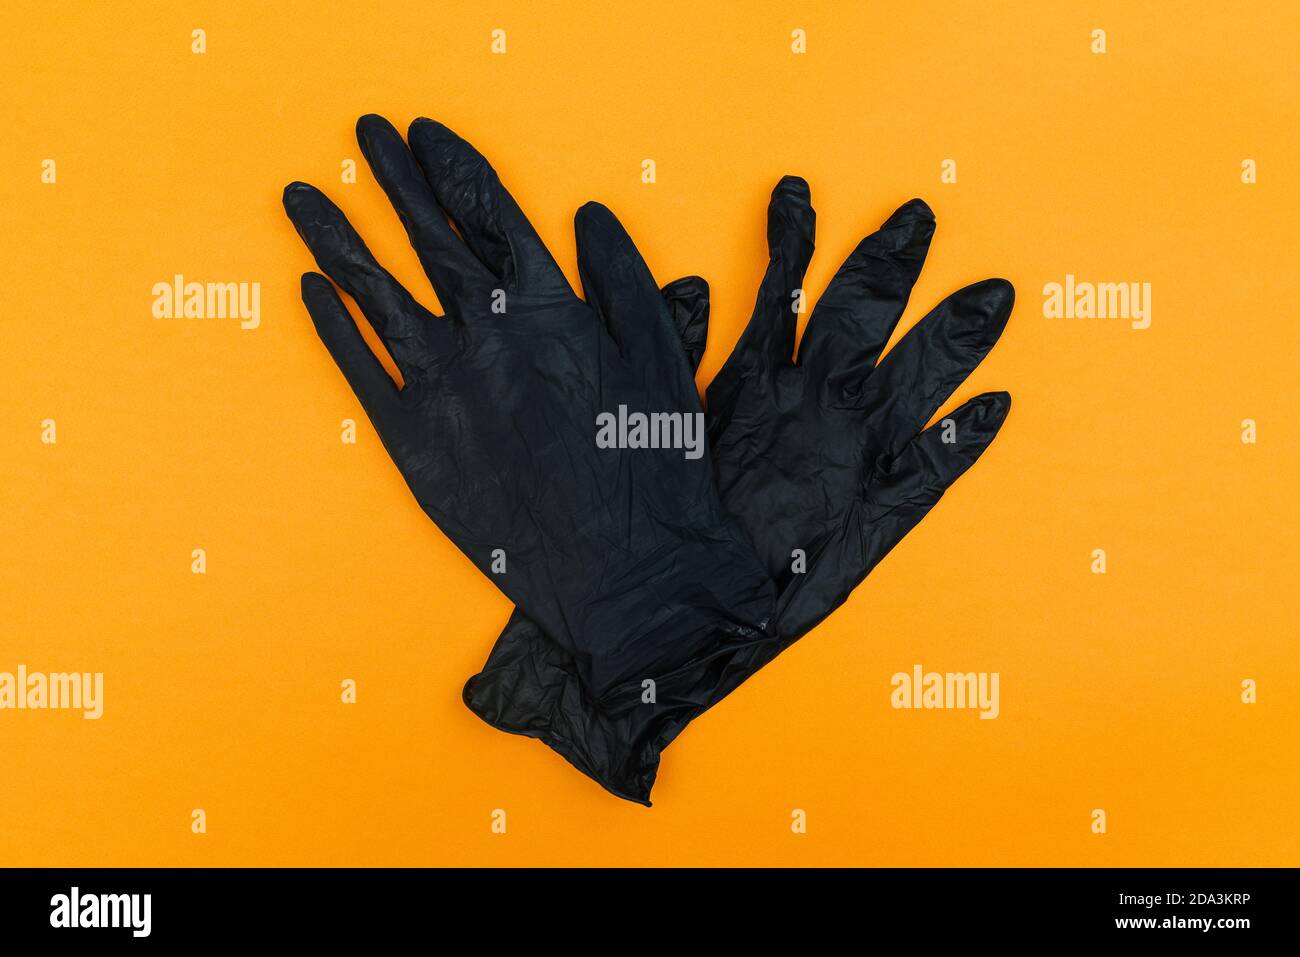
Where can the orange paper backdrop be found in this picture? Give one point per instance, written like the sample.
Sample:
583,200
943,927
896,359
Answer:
1120,692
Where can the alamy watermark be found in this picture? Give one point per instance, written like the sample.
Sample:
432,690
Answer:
179,299
974,690
1075,299
651,430
82,691
75,909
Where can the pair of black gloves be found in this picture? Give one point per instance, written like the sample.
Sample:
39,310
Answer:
649,582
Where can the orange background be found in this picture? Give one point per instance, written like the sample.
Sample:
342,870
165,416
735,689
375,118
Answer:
1119,691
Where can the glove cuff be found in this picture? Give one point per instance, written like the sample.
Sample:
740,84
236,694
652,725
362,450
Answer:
529,687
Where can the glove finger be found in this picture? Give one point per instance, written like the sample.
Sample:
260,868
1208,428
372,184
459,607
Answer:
863,303
488,217
447,261
937,354
769,337
688,305
768,341
402,323
618,284
938,456
369,380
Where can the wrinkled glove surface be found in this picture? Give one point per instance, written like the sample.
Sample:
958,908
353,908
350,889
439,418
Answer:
828,455
624,556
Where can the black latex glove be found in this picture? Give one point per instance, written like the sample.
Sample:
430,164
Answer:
624,556
828,455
